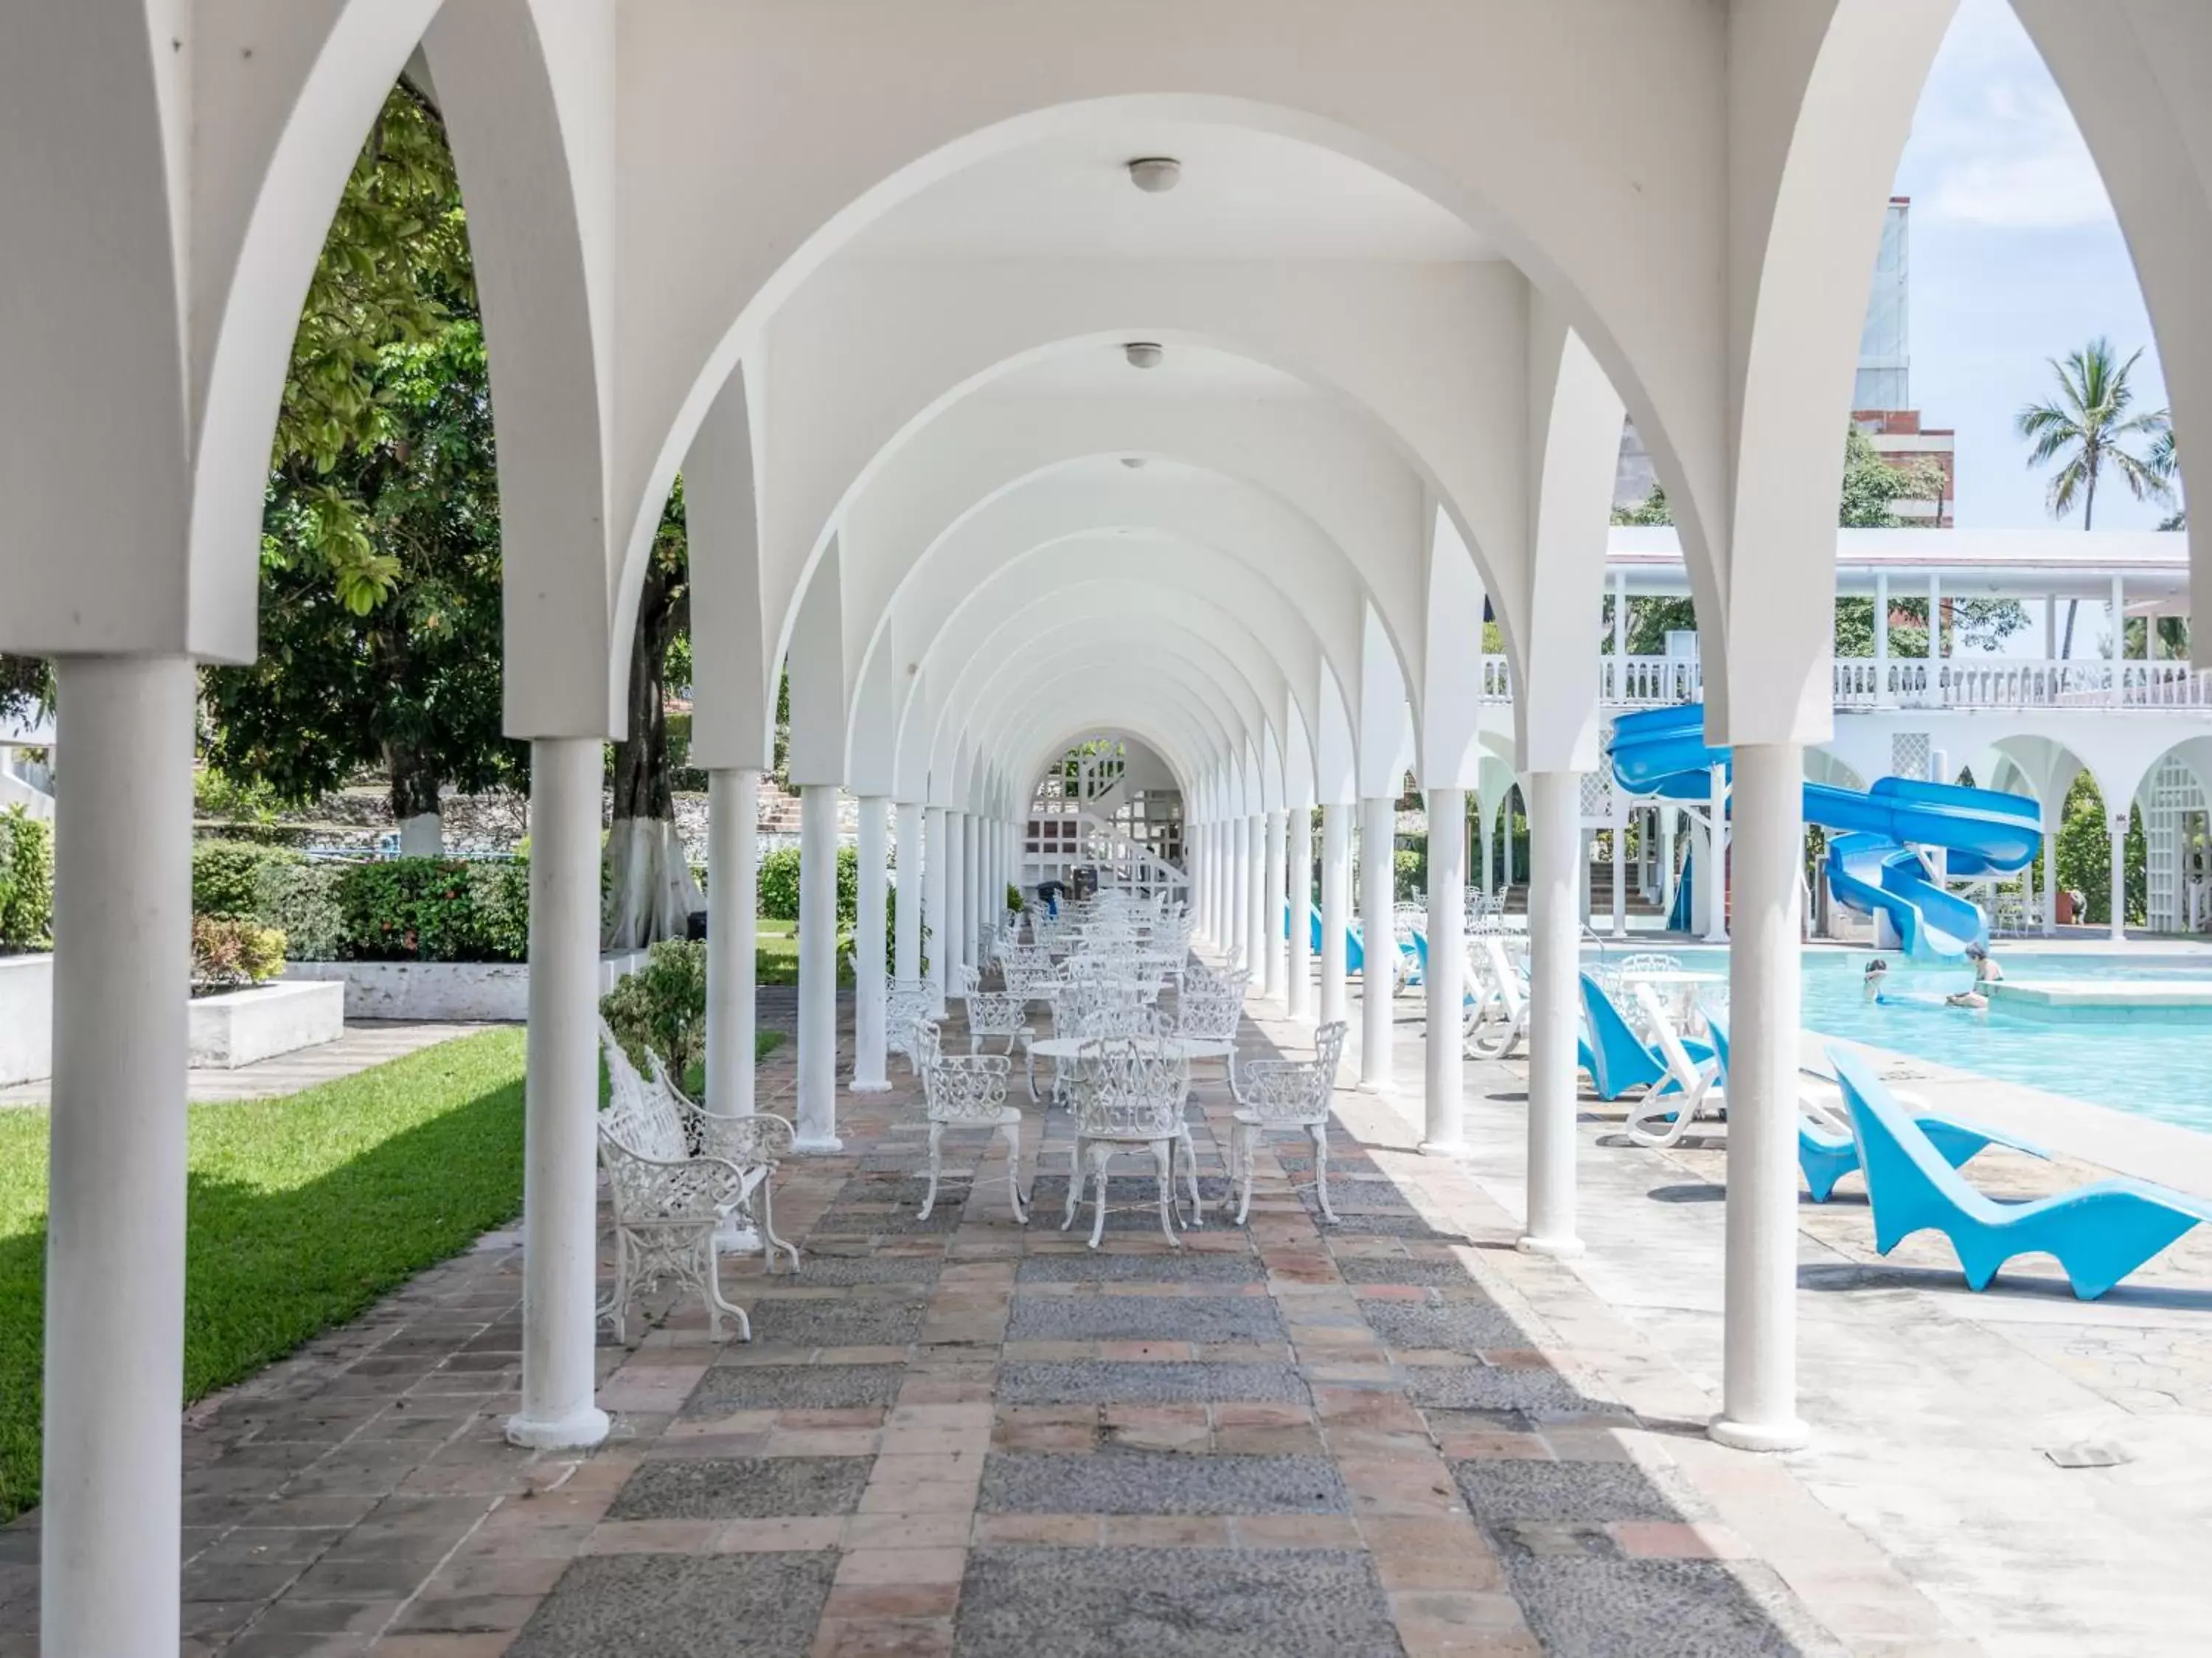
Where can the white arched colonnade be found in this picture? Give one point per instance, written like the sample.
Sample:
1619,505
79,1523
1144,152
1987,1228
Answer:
752,242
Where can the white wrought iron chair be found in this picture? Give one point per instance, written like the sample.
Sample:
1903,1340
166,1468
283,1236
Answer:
669,1203
1286,1094
1212,1015
1127,1094
757,1144
969,1090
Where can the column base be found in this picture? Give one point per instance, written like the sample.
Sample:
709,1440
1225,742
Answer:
1558,1248
1446,1149
858,1086
1758,1435
580,1431
823,1148
1382,1085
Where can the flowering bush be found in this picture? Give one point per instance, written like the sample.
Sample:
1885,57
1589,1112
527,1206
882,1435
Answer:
229,951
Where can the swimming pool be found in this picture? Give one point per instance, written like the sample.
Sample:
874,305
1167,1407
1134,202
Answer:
2152,1067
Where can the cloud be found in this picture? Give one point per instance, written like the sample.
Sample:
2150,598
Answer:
1993,143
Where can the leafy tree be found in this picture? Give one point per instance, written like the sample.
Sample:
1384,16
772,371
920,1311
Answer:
380,581
27,684
2085,429
2085,855
1872,487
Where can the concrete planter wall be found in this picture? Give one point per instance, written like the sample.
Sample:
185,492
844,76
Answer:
240,1026
26,1018
466,991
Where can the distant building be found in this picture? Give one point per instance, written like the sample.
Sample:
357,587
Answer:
1881,395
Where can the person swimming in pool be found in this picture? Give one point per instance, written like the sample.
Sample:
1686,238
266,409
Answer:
1876,970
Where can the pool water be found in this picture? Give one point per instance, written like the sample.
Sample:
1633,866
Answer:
2160,1068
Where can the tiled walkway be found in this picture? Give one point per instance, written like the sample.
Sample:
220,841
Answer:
1392,1436
367,1042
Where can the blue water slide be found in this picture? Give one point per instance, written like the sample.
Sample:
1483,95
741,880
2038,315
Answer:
1871,863
1353,960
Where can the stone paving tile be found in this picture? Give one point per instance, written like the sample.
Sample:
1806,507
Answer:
1457,1326
1101,1382
741,1488
1492,1388
1514,1488
874,1321
1160,1483
1019,1602
1582,1607
1157,1318
821,1272
660,1605
730,1388
1069,1267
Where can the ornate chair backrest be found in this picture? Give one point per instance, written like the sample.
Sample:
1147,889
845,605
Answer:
1209,1015
966,1088
928,1045
966,977
1128,1089
1648,961
1328,1049
1135,1020
905,1000
638,1117
1029,982
993,1013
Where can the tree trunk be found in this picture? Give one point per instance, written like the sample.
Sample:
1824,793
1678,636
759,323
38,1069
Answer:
415,802
652,893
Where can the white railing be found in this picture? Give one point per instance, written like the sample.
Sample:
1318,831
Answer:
1913,682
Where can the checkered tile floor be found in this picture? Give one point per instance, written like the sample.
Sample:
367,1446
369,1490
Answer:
967,1436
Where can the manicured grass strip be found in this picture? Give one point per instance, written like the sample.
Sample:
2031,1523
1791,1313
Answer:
302,1211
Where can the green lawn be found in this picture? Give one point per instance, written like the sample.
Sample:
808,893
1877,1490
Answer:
775,954
301,1212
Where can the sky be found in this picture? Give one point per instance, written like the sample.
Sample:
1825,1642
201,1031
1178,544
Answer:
2015,259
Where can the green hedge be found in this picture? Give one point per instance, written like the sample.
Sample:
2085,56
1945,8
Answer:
433,910
26,880
224,872
778,897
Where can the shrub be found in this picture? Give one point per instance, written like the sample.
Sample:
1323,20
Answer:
26,880
224,872
1409,872
301,900
230,950
662,1007
777,899
433,910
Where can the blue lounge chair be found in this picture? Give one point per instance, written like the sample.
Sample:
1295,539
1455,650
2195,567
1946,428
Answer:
2099,1232
1617,1058
1826,1154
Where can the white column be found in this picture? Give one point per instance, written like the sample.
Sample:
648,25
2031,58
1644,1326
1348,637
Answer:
1276,956
1335,906
2119,642
1445,977
871,915
1554,803
935,889
1666,859
1620,635
973,890
115,1245
1713,878
2050,875
733,905
1379,944
1297,872
1935,627
1882,639
2050,629
906,948
1586,849
953,937
817,969
1482,834
560,1179
1256,953
2119,825
1759,1372
1238,945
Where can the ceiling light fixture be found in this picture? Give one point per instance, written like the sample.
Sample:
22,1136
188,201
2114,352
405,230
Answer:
1156,174
1142,354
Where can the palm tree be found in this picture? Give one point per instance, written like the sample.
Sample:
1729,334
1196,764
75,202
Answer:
2168,464
2083,429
